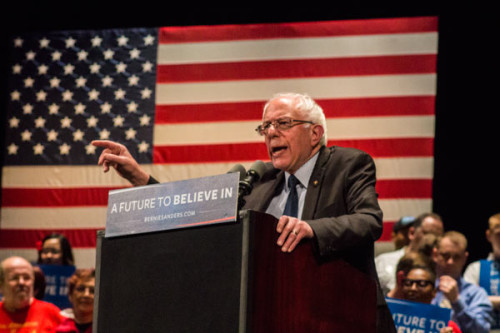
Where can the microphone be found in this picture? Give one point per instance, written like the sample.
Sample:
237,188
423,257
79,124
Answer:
253,174
238,168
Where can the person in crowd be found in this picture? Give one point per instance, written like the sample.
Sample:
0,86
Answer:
19,310
486,272
333,201
40,283
81,287
424,224
405,264
55,250
416,280
421,256
471,308
400,231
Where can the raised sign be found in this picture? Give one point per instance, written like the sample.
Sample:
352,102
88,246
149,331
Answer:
174,205
418,317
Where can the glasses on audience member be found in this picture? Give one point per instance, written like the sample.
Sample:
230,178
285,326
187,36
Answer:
281,124
81,289
446,256
50,250
420,283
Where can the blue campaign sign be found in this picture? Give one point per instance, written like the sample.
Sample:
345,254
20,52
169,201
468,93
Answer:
56,289
413,317
174,205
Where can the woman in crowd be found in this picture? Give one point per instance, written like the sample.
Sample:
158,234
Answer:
55,250
81,295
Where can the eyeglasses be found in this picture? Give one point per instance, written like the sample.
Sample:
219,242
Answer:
420,283
50,250
281,124
446,256
81,289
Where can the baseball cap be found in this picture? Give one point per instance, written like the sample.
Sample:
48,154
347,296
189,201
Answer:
404,222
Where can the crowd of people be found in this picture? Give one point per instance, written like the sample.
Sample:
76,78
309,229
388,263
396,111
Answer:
428,267
22,292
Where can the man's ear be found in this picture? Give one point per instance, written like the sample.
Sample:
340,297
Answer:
411,233
434,254
317,134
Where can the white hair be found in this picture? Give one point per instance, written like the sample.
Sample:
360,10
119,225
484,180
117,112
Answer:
307,107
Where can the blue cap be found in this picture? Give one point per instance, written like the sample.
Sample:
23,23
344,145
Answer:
404,222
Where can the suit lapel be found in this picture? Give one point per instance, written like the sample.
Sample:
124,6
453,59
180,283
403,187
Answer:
264,192
315,182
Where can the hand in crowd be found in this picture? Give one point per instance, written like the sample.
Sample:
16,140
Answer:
292,231
449,288
117,156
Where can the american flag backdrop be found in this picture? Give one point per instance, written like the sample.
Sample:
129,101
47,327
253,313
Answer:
186,101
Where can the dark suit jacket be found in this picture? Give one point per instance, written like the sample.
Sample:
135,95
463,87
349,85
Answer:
342,208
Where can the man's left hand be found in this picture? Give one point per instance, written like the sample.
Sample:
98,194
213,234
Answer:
292,231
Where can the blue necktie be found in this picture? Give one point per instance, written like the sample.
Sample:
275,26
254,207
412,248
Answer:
292,203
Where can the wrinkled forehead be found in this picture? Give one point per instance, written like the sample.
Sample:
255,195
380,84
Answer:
451,246
52,243
418,273
494,224
86,281
17,267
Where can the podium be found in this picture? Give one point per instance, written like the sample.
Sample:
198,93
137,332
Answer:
229,277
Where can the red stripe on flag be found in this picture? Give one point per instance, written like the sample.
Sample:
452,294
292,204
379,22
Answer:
295,30
55,197
253,70
386,232
257,151
27,238
404,188
333,108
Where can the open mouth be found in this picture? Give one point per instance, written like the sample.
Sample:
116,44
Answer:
277,150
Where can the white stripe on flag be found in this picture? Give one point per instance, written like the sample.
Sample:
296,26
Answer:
330,87
304,48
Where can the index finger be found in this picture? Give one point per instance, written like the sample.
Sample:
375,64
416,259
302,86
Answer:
105,144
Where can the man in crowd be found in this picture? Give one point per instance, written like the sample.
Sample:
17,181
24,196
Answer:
400,231
471,308
323,194
425,224
486,272
19,310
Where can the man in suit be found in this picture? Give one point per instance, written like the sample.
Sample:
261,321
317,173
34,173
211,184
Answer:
335,203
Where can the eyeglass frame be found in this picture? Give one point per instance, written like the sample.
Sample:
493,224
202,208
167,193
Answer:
262,128
420,283
50,250
81,289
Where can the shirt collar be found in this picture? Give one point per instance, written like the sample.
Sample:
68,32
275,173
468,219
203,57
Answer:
304,173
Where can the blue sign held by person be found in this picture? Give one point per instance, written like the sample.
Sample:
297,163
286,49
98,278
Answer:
414,317
56,288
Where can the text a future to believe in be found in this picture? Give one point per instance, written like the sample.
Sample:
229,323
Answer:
171,200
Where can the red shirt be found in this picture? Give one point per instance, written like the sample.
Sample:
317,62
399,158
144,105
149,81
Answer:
39,317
